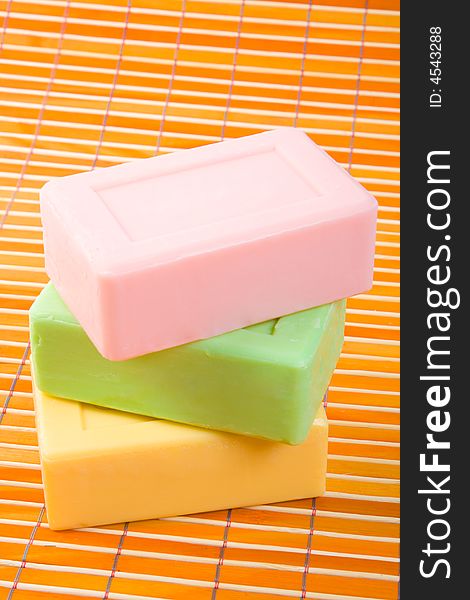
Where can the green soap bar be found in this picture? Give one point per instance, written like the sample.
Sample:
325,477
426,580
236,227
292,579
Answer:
266,381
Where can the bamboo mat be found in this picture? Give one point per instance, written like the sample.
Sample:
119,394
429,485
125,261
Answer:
85,84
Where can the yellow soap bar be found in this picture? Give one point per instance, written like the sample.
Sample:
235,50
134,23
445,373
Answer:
104,466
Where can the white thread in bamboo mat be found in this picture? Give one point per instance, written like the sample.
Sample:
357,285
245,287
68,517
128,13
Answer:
87,84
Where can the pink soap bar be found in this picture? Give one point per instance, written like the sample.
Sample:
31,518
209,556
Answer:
167,250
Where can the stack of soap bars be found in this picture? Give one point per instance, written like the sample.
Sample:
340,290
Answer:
193,321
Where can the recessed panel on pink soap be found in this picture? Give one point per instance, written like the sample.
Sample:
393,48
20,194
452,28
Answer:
167,250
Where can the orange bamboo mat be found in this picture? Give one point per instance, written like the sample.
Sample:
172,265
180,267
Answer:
93,83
